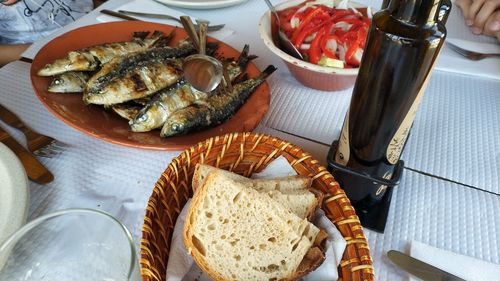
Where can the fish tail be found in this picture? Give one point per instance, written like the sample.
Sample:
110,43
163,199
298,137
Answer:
162,39
245,58
268,71
140,34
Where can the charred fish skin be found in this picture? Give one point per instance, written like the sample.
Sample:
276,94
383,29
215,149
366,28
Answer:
213,111
156,112
181,95
120,66
69,82
91,58
141,82
126,110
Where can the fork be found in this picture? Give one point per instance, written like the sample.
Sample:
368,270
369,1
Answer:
168,17
470,54
38,144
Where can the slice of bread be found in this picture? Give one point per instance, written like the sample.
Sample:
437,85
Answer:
303,203
283,184
236,233
291,192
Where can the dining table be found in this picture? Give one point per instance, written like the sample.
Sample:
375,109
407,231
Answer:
448,197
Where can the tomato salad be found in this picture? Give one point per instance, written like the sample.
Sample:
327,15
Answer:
326,34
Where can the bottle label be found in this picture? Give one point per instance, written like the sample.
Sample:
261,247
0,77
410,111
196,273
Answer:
342,155
397,142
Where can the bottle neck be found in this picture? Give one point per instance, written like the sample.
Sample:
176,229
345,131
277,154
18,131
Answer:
417,12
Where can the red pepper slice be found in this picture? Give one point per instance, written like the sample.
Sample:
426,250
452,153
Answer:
306,22
348,36
308,31
340,14
362,35
353,47
352,21
324,45
315,49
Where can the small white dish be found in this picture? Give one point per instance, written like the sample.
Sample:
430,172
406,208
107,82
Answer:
202,4
14,194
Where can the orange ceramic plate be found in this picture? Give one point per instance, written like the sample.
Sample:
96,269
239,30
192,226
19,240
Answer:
106,125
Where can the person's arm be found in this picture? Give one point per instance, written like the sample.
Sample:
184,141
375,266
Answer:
9,53
482,16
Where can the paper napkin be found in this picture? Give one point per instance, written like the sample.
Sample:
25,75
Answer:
181,266
465,267
148,6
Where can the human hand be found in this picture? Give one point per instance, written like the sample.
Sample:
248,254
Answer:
8,2
481,15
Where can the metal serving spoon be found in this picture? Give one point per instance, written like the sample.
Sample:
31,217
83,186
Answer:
203,72
283,40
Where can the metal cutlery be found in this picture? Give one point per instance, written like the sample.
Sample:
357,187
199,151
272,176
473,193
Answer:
282,40
40,145
118,15
126,16
419,268
470,54
168,17
34,169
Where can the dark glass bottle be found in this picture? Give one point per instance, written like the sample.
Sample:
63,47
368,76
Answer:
403,43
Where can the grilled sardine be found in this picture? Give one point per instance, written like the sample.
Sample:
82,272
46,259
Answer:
141,81
69,82
91,58
181,95
120,66
214,110
126,110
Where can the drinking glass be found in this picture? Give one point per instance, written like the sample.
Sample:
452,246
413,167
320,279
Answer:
70,245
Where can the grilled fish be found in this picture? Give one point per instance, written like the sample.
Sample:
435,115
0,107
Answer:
214,110
181,95
120,66
91,58
69,82
126,110
141,81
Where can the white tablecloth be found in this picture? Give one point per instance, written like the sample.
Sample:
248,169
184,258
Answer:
449,197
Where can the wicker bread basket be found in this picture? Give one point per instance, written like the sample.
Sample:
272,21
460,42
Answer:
245,153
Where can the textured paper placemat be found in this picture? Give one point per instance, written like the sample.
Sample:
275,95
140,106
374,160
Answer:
455,134
440,214
95,174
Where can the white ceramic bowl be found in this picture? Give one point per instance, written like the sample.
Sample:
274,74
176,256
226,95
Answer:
310,75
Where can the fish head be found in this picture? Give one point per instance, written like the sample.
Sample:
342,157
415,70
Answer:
173,127
147,119
58,85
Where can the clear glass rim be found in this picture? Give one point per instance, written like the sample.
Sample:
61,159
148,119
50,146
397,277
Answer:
14,237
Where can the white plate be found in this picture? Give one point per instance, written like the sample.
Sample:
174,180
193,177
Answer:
14,196
202,4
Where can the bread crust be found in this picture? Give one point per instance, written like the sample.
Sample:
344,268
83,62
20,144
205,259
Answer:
198,177
314,257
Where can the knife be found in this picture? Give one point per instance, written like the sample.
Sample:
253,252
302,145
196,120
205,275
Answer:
35,170
419,268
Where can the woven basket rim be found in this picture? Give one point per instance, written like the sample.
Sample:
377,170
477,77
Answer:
356,262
